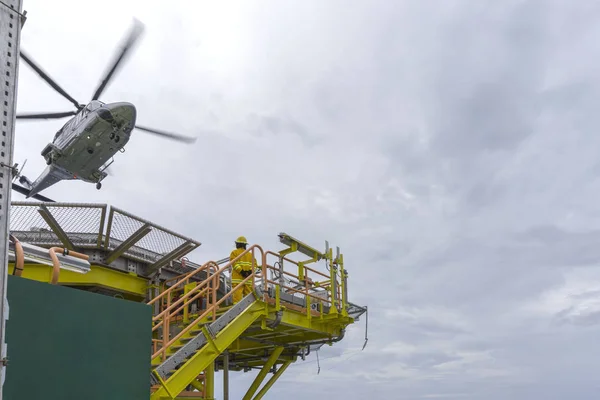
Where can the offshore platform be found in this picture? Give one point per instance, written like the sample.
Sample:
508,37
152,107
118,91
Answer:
106,304
294,307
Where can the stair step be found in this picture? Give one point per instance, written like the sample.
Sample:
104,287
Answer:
191,395
169,368
186,394
173,349
199,377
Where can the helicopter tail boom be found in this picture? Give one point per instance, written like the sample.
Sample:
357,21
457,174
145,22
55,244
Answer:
51,175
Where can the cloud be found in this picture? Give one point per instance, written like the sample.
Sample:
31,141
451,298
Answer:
450,151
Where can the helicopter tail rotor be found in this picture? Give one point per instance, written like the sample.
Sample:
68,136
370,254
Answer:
25,189
19,172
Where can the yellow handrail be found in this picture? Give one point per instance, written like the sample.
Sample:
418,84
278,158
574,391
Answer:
330,281
211,308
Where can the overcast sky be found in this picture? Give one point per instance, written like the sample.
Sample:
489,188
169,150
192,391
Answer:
451,148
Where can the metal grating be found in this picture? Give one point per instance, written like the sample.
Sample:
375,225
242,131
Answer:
152,247
157,241
83,224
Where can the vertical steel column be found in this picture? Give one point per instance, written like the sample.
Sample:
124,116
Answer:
11,20
209,385
333,286
226,375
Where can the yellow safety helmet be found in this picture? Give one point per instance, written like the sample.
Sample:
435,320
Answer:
242,240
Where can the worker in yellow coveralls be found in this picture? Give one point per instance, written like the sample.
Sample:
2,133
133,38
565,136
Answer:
241,269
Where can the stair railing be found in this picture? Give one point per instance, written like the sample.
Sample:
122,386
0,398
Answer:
306,284
184,279
211,283
187,276
198,291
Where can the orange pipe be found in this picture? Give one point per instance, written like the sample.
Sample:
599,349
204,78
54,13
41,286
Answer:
19,256
56,262
181,307
188,275
185,280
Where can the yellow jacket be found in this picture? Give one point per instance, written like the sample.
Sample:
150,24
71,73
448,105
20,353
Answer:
244,263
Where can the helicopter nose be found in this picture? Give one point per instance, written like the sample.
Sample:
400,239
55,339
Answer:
122,113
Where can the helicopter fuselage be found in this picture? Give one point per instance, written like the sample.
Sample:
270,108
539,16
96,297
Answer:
82,148
91,138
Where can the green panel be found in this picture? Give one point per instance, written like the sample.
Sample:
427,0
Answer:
65,343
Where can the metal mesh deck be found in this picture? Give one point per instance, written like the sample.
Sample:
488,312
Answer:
96,226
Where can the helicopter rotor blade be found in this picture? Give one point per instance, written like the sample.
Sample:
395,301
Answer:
49,80
56,115
169,135
134,34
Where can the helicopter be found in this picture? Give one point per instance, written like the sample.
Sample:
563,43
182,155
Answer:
83,148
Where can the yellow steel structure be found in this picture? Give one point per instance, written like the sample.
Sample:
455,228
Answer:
197,329
269,329
126,285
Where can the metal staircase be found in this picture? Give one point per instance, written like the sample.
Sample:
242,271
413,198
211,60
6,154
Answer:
196,330
183,354
193,351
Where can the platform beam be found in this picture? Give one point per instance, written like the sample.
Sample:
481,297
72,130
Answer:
55,226
272,381
263,373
